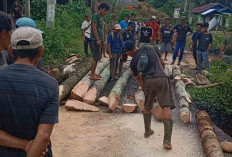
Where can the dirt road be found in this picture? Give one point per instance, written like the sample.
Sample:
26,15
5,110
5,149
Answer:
119,134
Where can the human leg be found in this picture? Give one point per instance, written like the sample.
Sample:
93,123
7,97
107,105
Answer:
96,58
175,53
182,47
86,46
195,56
199,61
205,56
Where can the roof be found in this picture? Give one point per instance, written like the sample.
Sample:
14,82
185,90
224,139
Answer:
225,10
210,11
206,7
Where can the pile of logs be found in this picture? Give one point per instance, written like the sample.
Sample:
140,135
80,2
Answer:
208,136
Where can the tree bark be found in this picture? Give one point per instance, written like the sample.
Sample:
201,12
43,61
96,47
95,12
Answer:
103,100
116,92
27,8
66,87
94,92
226,146
76,105
210,85
129,108
176,73
209,139
51,6
79,91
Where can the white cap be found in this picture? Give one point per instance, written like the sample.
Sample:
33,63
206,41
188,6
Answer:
153,17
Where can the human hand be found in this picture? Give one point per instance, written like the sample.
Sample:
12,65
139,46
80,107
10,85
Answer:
27,147
110,56
98,42
84,39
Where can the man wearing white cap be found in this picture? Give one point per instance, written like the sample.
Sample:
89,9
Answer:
114,49
29,99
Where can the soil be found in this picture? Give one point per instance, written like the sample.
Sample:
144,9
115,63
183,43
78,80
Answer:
103,134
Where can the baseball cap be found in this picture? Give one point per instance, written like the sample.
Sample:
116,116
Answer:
117,26
25,21
29,34
183,18
153,17
131,24
128,45
205,24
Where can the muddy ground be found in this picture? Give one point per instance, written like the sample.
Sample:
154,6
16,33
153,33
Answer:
118,134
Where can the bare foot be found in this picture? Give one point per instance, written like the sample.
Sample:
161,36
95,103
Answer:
95,77
167,146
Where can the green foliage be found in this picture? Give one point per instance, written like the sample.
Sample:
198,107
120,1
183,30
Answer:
218,39
38,9
66,37
219,97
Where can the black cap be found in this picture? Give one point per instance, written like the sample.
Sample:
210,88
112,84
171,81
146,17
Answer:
205,24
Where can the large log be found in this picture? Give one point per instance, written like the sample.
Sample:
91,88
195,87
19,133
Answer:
181,91
209,139
140,99
76,105
129,108
226,146
94,92
176,73
82,87
103,100
66,87
116,92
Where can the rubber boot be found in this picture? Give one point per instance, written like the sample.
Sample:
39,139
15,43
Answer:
168,123
147,123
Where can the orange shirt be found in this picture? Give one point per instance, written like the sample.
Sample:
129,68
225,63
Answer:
155,28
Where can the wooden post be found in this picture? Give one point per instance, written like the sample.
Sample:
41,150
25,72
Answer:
5,6
50,21
27,8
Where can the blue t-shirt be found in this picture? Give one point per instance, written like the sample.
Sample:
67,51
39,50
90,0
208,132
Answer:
28,97
182,32
115,43
124,24
194,39
167,33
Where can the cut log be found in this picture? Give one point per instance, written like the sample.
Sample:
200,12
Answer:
210,85
181,92
76,105
176,73
140,99
94,92
158,113
188,82
82,87
209,139
103,100
226,146
129,108
70,68
168,70
185,115
202,80
116,92
71,81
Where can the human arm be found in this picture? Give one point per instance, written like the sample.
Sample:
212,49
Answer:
83,35
162,62
222,50
94,25
109,42
210,42
140,81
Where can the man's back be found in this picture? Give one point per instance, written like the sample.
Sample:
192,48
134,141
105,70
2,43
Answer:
29,97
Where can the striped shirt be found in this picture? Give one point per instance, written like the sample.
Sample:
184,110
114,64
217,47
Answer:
28,97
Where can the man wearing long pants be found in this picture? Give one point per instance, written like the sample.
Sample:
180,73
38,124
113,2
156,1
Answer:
181,31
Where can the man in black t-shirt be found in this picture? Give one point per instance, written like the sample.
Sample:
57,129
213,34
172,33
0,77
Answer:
205,39
181,31
145,34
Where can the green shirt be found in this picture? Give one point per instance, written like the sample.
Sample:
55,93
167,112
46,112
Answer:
98,19
228,46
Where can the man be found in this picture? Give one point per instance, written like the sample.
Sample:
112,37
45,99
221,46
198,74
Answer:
133,20
6,29
145,34
194,42
155,77
181,31
124,23
97,37
115,49
17,11
112,23
23,22
227,49
204,42
127,34
167,38
29,98
155,29
86,31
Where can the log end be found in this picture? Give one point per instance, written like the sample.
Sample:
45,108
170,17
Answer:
158,113
79,91
90,96
76,105
186,117
113,101
226,146
129,108
103,100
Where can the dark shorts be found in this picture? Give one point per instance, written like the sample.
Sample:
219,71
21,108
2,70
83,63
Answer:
124,58
158,87
97,51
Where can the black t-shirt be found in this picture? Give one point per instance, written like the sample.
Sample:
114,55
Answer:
29,97
167,33
155,67
182,32
127,35
204,41
145,34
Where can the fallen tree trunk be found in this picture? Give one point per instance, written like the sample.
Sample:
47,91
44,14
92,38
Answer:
140,99
226,146
176,73
94,92
210,85
71,81
76,105
129,108
103,100
82,87
116,92
209,139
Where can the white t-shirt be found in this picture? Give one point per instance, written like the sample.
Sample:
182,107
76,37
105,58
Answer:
84,25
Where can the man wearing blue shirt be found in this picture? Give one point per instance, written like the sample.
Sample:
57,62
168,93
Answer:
194,42
115,49
125,22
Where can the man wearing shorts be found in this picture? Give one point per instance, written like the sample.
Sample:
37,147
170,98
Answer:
97,37
167,38
155,77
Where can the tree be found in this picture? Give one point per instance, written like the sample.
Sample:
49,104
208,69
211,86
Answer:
27,8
